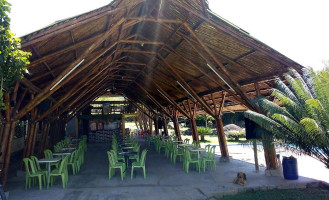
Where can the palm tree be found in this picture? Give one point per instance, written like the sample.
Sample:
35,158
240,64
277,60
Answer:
302,120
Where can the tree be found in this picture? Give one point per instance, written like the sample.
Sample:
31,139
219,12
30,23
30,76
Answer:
12,60
204,131
302,122
206,118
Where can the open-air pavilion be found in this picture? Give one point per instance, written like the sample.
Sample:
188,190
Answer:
167,58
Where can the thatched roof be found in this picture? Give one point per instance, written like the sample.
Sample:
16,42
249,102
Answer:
151,52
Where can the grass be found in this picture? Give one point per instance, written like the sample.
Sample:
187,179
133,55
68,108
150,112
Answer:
289,194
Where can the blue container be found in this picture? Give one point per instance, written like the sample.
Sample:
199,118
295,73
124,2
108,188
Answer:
290,170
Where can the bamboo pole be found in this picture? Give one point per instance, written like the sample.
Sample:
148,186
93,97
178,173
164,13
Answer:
165,125
254,144
59,81
221,137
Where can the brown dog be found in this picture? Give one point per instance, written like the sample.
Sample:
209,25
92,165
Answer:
241,179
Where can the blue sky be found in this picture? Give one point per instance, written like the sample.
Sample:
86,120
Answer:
296,28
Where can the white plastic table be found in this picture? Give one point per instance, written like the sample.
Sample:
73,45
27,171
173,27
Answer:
62,154
198,150
49,160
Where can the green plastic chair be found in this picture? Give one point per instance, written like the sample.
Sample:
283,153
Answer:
37,166
32,173
207,147
118,157
187,141
196,144
73,162
189,160
113,164
61,171
161,145
79,157
135,157
49,154
140,164
209,157
177,152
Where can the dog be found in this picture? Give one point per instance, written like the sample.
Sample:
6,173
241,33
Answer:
241,179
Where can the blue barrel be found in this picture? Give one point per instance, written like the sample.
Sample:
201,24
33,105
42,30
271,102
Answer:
290,170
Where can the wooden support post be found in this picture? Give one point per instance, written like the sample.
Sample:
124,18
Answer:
9,135
8,132
254,144
150,123
34,139
165,125
156,125
192,121
140,121
221,138
135,120
43,138
76,127
123,126
176,124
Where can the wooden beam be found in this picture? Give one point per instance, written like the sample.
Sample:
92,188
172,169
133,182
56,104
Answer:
153,99
182,81
136,51
142,42
58,82
169,99
204,72
242,37
131,63
232,83
76,88
71,24
34,88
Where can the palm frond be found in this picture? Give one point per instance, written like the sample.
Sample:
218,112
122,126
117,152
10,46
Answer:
317,111
289,123
302,83
298,89
321,85
285,90
311,126
270,125
271,108
292,107
308,80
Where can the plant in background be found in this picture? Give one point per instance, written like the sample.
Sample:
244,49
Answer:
206,118
236,135
204,131
303,120
12,59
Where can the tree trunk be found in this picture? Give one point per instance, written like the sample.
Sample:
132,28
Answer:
269,153
202,137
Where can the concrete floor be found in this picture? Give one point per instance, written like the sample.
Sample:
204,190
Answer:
164,181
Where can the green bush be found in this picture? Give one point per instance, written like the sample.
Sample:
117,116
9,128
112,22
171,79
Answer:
235,135
204,131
